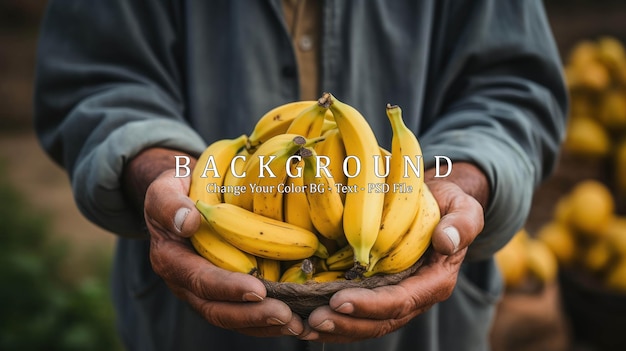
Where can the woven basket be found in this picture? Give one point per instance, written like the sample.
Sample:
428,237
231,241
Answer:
596,314
304,298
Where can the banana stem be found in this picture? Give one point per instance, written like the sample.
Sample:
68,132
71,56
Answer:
356,272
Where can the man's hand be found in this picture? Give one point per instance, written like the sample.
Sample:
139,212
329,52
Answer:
357,314
228,300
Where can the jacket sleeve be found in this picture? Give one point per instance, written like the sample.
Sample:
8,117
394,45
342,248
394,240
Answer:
499,102
108,85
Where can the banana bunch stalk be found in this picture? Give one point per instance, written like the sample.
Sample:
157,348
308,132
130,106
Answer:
295,200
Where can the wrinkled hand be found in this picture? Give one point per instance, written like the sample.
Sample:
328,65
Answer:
228,300
357,314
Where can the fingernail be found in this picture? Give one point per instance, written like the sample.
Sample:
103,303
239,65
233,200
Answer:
275,321
180,217
291,332
313,335
326,326
252,297
345,308
453,235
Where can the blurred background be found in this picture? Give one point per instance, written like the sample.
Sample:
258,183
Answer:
565,272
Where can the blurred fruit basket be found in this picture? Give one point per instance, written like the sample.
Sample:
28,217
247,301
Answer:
529,316
596,314
580,215
589,240
588,232
596,76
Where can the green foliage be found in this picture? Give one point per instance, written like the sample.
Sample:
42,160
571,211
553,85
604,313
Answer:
40,310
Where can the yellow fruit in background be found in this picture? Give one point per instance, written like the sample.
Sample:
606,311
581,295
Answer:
619,73
562,210
584,69
616,235
616,277
610,51
597,256
541,261
587,137
591,207
522,237
620,168
583,53
581,105
560,240
512,260
594,76
612,111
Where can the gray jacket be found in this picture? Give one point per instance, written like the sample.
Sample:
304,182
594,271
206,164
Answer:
478,80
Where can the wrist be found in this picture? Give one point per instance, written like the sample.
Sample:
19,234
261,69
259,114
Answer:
467,176
144,168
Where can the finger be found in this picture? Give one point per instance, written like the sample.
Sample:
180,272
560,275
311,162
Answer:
462,218
336,327
308,333
356,314
263,318
226,299
168,207
179,265
414,295
294,327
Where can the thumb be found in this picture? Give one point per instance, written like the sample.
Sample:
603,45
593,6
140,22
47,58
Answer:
462,219
168,208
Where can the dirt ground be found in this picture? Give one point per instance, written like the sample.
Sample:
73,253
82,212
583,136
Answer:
45,186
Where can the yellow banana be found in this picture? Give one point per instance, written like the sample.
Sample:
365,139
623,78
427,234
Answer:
261,236
324,203
402,201
205,241
328,276
275,147
310,121
269,190
212,167
335,152
276,121
362,209
233,180
214,248
342,259
295,205
415,242
267,199
268,269
384,152
328,123
299,273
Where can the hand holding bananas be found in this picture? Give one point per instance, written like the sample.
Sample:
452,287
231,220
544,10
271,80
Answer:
353,314
383,232
226,299
356,314
238,301
373,204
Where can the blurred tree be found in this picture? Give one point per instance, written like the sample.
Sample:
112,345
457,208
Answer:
39,309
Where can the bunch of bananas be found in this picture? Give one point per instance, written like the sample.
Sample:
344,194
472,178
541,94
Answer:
596,77
310,195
